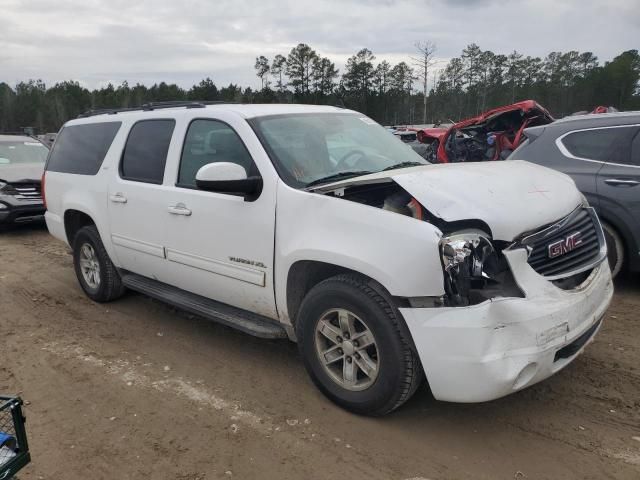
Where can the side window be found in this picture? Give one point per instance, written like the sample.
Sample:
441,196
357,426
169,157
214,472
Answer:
211,141
604,144
635,150
80,149
145,153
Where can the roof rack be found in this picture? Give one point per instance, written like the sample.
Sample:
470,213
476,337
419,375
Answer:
151,106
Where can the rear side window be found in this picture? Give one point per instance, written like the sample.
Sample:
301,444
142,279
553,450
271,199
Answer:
145,153
604,144
80,149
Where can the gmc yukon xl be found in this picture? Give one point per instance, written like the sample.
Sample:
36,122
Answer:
313,223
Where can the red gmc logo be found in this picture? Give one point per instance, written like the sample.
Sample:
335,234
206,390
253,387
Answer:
565,245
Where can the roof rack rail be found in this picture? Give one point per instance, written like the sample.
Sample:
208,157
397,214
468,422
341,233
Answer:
151,106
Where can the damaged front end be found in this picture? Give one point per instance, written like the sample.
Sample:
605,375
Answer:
473,266
474,270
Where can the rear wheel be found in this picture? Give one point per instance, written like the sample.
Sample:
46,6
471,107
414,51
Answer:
96,274
615,249
356,347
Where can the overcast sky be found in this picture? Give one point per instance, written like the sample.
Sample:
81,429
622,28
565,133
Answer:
96,42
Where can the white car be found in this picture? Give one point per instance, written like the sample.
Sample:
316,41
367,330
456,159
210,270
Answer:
313,223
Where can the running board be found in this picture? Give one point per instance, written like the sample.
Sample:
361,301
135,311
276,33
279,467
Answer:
233,317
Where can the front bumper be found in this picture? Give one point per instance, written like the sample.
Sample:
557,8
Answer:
22,213
486,351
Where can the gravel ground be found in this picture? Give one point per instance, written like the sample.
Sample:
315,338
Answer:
135,389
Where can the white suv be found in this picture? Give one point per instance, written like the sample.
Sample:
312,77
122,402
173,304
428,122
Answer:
316,224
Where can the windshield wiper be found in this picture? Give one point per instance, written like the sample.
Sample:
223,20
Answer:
338,176
403,165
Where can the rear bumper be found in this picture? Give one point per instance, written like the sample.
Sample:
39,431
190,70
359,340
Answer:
486,351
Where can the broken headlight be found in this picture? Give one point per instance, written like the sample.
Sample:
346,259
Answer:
468,259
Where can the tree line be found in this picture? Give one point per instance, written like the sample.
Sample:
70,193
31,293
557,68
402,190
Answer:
563,82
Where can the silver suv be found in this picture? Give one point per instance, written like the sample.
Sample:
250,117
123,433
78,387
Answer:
602,155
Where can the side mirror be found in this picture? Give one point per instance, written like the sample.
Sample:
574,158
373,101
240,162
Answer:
227,177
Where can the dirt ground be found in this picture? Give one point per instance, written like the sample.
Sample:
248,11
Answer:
134,390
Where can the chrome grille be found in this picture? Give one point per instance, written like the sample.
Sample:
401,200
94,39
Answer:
24,191
573,245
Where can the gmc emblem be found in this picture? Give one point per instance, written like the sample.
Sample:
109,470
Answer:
565,245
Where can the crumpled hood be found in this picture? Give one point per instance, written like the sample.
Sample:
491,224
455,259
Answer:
21,171
512,197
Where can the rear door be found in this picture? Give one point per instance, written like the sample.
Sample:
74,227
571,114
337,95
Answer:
619,181
137,198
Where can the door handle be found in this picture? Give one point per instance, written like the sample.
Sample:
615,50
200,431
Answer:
179,209
118,198
618,182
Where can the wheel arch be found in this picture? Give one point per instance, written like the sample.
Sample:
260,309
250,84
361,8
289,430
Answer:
74,220
303,275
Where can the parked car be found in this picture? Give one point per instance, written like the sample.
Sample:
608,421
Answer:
492,135
602,154
22,160
406,136
313,223
410,138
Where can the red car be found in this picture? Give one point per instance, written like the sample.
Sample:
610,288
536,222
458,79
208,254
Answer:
492,135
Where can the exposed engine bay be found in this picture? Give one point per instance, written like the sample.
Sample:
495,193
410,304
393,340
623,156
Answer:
494,140
494,135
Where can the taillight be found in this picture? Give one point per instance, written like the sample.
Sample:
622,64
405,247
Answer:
44,199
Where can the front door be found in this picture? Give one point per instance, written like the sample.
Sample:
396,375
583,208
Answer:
219,245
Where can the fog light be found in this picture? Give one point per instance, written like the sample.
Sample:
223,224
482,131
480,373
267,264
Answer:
525,376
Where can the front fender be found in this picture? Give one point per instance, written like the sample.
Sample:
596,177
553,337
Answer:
399,252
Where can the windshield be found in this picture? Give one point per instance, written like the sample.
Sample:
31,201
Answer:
315,148
22,152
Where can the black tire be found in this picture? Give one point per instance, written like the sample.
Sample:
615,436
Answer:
615,249
399,372
109,287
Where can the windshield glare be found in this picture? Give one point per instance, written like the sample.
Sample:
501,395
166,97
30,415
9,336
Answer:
307,148
22,152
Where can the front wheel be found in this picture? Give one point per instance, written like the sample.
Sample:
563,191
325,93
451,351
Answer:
356,347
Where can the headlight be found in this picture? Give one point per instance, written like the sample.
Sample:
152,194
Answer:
464,257
465,248
3,206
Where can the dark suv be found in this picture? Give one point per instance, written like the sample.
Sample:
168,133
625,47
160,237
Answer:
602,155
22,160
